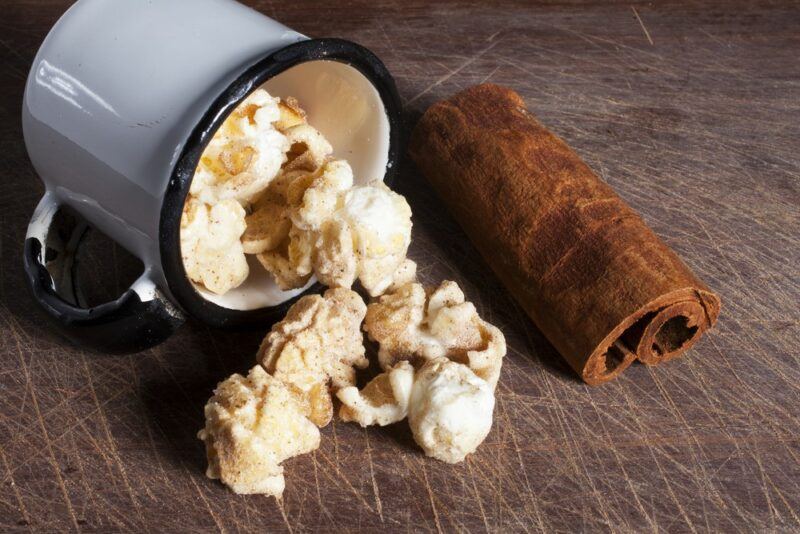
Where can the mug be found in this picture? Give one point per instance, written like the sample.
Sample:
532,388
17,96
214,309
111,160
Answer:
121,101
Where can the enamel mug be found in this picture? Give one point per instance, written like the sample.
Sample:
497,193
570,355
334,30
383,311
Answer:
121,100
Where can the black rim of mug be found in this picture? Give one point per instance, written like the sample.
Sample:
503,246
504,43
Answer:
331,49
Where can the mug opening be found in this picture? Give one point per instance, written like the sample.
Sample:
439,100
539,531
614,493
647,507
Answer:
348,96
346,108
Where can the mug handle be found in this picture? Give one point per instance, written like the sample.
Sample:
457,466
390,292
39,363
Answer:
140,318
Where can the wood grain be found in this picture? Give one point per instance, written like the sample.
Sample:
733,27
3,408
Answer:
671,103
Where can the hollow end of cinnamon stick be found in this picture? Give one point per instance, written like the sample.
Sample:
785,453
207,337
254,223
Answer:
660,331
593,277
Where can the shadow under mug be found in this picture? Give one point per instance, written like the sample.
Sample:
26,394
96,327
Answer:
121,101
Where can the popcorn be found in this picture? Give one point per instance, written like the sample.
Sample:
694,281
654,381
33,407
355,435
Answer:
382,402
339,233
268,225
305,217
252,425
415,323
449,407
285,274
244,155
315,197
319,341
449,398
336,262
450,410
212,253
291,114
308,148
266,186
378,223
306,198
405,274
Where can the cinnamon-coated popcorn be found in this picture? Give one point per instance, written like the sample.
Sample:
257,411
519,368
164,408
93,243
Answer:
377,221
308,148
315,197
338,232
414,323
383,401
307,199
212,253
449,398
268,224
244,155
306,218
405,274
291,114
450,410
449,407
252,425
319,342
278,264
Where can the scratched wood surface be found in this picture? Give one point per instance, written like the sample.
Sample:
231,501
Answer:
691,111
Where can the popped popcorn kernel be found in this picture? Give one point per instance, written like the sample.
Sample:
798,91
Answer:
319,343
415,322
253,424
211,251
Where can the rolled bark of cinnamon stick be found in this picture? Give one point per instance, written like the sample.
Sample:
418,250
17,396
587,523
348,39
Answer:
595,279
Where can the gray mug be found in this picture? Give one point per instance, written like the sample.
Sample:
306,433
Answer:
122,99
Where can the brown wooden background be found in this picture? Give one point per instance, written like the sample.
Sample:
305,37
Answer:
690,110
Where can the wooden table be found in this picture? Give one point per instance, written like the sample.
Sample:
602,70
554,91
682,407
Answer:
691,111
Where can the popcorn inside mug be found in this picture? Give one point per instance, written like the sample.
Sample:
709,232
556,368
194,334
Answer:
319,120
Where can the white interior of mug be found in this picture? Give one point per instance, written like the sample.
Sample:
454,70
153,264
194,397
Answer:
346,108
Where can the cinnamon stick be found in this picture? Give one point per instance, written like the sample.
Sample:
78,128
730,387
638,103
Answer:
594,278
